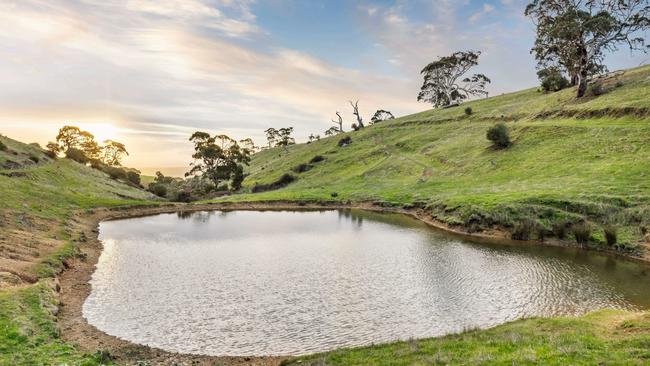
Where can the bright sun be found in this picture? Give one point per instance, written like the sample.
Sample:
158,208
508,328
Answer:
101,131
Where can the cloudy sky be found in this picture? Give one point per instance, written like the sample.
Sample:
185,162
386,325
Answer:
151,72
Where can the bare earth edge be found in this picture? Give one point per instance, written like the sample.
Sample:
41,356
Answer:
75,286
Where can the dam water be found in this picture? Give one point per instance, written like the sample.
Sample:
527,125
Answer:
296,282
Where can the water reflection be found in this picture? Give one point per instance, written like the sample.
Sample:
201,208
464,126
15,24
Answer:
286,282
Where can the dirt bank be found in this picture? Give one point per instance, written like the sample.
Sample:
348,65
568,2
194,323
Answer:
75,287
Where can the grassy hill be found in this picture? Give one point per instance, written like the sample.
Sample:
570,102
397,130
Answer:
38,197
571,160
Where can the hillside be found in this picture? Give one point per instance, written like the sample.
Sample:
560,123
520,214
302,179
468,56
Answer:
38,196
571,160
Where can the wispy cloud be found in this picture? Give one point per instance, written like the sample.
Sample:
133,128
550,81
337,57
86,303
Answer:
160,69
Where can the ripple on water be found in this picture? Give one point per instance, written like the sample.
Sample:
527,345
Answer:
268,283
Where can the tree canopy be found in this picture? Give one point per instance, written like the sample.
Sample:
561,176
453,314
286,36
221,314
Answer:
443,85
574,34
381,115
80,144
218,158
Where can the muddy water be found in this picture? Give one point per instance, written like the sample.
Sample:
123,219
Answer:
280,282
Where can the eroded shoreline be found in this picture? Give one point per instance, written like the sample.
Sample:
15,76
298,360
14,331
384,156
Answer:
75,286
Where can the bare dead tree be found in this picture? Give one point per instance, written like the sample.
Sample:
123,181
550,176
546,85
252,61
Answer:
339,122
355,108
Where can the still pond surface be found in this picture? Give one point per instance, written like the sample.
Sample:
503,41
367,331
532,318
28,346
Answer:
295,282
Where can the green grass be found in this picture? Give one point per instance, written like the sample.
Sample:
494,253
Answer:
601,338
562,166
47,193
565,164
28,331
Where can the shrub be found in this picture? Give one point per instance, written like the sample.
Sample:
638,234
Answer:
552,79
237,178
317,159
610,234
524,229
334,194
283,181
133,177
115,172
35,144
50,154
595,90
76,155
3,147
560,229
301,168
34,158
468,111
499,136
182,196
158,189
347,140
582,233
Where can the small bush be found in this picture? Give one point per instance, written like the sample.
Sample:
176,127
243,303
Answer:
610,234
3,147
317,159
283,181
582,233
237,179
524,229
76,155
334,194
347,140
133,177
158,189
552,79
115,172
595,90
34,158
182,196
499,136
468,111
50,154
35,144
301,168
560,229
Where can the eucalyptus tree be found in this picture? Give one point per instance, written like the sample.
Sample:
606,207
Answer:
443,86
575,34
218,159
284,137
381,115
113,152
271,136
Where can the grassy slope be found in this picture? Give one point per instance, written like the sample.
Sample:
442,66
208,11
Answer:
601,338
45,193
420,157
559,167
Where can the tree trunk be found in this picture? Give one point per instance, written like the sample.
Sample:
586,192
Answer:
583,72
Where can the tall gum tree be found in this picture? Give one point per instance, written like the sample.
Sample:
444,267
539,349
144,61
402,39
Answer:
443,85
575,34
